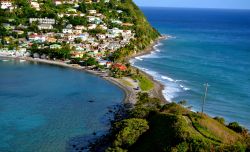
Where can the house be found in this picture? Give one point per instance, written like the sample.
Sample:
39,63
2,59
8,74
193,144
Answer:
36,37
19,32
7,26
115,31
57,2
42,20
127,24
55,46
102,62
92,11
80,27
45,27
101,36
116,21
67,31
6,4
77,31
71,10
35,5
51,39
119,66
93,19
103,27
77,54
119,11
70,1
108,64
91,1
92,26
83,36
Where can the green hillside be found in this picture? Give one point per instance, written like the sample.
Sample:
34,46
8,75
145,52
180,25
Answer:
152,127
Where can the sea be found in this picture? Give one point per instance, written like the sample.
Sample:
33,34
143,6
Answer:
47,108
203,46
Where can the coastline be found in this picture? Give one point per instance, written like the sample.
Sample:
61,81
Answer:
130,93
157,91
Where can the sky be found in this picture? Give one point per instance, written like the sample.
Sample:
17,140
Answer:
225,4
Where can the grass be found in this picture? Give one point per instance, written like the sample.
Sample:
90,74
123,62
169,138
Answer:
126,82
175,126
217,130
145,83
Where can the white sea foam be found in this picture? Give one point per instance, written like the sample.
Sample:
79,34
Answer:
139,58
167,78
157,50
171,87
178,80
5,60
186,89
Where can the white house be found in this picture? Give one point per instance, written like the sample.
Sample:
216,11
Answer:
92,26
101,36
80,27
77,31
92,11
58,2
35,37
35,5
83,36
43,20
5,4
104,27
67,31
45,27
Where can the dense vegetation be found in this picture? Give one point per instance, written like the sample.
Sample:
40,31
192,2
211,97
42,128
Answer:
151,126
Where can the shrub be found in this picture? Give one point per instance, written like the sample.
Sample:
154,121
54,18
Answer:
236,127
220,120
130,131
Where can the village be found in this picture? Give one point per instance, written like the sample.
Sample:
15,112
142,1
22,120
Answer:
93,35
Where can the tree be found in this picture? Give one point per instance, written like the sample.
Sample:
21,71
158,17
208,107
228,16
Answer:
130,131
236,127
91,61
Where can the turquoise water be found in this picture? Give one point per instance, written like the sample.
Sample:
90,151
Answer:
206,45
46,108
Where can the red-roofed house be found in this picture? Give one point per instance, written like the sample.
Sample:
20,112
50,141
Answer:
119,66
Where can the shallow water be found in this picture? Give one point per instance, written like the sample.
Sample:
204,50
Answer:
46,108
206,45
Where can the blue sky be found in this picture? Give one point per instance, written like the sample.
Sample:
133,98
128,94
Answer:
229,4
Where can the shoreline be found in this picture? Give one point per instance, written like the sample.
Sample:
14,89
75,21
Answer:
130,93
157,91
130,96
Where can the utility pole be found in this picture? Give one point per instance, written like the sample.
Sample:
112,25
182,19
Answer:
204,99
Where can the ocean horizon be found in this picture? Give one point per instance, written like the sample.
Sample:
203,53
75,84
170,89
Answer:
203,46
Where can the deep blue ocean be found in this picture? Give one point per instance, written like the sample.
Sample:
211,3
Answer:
46,108
205,45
